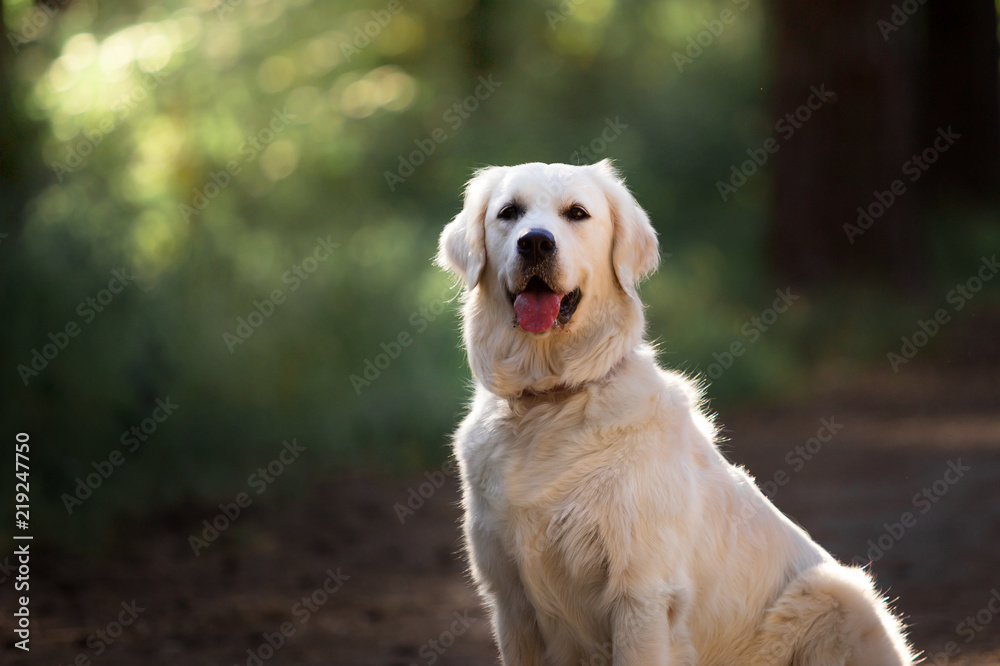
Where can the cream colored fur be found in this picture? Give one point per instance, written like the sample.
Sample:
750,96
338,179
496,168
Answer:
602,523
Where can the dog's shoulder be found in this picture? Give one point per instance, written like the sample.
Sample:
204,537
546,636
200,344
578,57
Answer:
487,416
641,391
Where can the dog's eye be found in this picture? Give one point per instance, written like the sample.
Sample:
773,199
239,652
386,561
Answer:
577,212
508,212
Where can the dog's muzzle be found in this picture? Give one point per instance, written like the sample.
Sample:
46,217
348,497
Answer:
538,307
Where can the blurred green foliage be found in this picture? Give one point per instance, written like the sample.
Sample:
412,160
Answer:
143,108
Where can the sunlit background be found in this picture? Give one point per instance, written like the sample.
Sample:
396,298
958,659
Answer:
121,114
209,148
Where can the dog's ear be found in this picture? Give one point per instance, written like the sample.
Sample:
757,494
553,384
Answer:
636,252
462,248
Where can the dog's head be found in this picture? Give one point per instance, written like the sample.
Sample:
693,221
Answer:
550,255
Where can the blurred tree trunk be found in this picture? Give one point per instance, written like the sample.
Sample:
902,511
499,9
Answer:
7,139
17,140
961,89
22,171
477,42
884,68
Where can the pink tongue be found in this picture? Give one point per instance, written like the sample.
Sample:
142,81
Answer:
537,310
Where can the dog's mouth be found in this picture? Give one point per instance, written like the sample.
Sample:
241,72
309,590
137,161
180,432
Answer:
538,307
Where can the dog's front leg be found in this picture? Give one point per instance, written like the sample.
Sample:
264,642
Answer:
649,630
515,624
516,628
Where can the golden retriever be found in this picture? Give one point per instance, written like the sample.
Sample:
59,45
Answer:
602,523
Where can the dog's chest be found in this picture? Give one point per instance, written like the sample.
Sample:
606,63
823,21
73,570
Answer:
551,497
561,551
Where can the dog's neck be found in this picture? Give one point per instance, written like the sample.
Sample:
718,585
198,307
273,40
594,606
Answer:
565,390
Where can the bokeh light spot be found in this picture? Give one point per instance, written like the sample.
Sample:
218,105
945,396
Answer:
276,74
154,53
402,34
83,48
64,74
279,160
116,56
359,99
304,103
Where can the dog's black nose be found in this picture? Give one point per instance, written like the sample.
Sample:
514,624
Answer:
536,245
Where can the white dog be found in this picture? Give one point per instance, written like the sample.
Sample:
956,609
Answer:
602,523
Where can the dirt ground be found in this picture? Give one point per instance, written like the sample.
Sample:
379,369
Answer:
401,596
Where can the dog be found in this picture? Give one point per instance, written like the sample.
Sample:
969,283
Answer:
601,521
